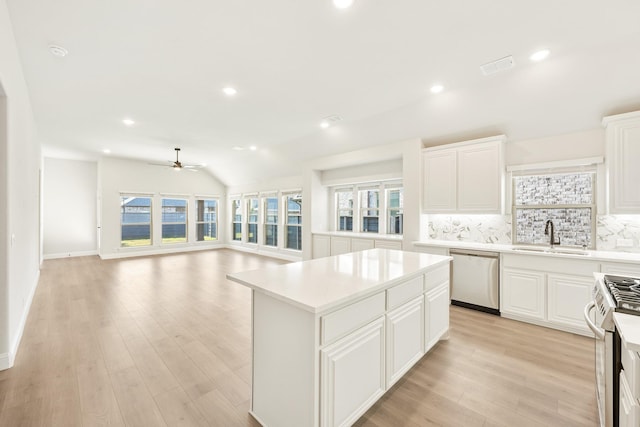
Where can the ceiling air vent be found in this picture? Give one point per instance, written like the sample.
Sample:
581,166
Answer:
499,65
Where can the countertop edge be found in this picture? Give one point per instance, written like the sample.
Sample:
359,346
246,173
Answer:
333,305
510,249
629,328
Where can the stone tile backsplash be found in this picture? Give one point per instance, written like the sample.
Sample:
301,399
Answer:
497,229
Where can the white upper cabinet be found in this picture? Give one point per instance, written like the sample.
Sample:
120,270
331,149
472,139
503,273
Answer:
623,155
467,177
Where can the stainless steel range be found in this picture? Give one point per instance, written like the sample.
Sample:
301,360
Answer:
610,294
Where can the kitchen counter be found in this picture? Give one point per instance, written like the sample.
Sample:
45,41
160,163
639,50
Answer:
516,249
377,236
331,335
322,284
628,326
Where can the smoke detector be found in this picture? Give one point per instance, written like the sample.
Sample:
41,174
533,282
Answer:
499,65
58,51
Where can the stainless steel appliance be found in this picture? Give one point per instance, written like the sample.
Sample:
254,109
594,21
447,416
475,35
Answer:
610,294
474,280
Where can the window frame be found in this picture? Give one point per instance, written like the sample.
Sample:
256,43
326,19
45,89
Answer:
163,222
287,224
252,224
266,224
340,210
236,222
150,223
214,222
400,209
363,210
549,172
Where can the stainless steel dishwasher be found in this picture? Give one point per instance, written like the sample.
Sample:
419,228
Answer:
475,280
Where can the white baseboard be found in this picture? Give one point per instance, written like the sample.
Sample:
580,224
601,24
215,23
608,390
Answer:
294,256
7,359
70,254
134,252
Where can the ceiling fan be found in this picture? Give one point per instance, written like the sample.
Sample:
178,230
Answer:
177,165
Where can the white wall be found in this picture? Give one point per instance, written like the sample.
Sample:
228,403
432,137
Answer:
19,197
116,176
69,208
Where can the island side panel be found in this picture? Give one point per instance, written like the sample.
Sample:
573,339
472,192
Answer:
284,389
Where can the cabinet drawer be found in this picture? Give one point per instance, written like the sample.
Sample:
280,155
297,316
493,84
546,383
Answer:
436,277
631,368
347,319
404,292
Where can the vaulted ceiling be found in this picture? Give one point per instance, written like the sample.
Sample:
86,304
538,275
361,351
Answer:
164,63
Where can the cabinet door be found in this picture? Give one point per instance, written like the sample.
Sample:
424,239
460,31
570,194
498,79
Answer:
340,245
566,298
628,406
436,314
361,244
439,185
523,293
623,143
352,375
321,246
389,244
405,326
480,178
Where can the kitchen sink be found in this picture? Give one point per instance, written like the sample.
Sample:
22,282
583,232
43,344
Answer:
563,251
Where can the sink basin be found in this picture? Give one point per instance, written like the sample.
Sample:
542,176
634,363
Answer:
580,252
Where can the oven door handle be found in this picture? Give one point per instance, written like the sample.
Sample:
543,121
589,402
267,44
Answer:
599,333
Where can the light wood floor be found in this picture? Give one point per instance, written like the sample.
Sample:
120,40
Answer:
165,340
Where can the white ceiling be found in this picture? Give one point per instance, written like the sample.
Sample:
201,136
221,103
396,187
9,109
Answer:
163,63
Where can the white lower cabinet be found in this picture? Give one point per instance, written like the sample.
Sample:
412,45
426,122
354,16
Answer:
361,244
340,245
324,245
321,246
352,375
523,293
405,327
436,314
567,296
629,408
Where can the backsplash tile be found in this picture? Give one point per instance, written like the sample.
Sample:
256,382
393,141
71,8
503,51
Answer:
497,229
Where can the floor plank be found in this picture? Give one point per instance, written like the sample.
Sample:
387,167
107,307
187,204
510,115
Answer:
165,340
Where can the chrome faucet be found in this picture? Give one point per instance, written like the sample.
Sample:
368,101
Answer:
549,231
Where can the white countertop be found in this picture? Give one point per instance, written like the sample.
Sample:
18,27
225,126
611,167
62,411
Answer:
588,254
324,283
628,327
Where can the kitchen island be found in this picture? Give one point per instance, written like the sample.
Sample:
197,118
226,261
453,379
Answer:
331,335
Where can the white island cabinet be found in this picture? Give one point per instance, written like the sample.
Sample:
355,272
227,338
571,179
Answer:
331,335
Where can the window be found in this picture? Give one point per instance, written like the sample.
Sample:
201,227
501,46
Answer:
236,207
174,220
252,220
135,221
294,221
395,210
271,221
206,220
369,210
567,199
344,202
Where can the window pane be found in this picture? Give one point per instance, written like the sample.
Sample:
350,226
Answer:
271,210
252,236
345,221
396,198
370,224
571,226
237,231
344,199
135,221
558,189
271,235
174,233
294,209
395,221
237,210
206,220
294,237
207,231
252,207
369,199
174,220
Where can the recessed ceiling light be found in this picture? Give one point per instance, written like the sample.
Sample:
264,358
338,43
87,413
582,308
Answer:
253,148
58,51
330,120
128,122
437,88
229,91
342,4
540,55
324,124
106,151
